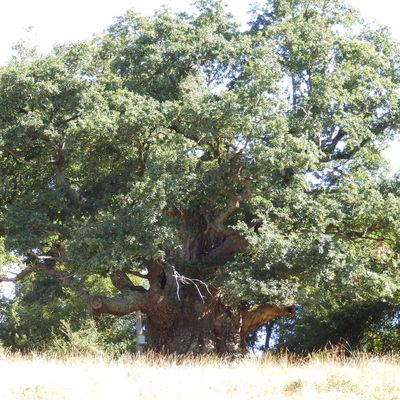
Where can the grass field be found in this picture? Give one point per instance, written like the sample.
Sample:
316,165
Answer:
148,377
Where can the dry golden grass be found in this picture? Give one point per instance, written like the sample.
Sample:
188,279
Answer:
148,377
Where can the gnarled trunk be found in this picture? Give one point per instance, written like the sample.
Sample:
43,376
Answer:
189,316
195,325
186,316
206,326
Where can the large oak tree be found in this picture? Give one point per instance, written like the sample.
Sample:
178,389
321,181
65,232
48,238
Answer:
217,177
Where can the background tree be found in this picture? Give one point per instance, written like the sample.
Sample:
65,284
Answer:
44,316
235,173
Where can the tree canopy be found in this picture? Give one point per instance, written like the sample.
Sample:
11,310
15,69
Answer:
214,176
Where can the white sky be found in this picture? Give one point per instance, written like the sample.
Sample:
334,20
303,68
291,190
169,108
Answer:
62,21
59,21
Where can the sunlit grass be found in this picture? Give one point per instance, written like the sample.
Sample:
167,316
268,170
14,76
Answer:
37,376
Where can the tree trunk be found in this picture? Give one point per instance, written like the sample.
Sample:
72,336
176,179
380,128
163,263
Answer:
189,316
207,325
195,325
268,333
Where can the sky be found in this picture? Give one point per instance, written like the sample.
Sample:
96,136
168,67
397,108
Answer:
59,21
43,23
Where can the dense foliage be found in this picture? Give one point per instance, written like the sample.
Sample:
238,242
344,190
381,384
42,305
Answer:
251,160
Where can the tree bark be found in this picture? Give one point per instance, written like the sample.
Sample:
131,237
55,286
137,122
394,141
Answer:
206,326
195,325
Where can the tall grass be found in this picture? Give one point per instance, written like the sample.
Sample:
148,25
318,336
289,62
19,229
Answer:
146,377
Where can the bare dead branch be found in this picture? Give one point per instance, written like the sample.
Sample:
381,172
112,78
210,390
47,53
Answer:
184,280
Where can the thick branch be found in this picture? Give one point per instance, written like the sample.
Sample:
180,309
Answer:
59,177
232,206
253,319
132,298
232,245
329,148
16,157
346,155
122,282
60,180
41,258
156,276
123,304
67,120
66,279
142,150
18,277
